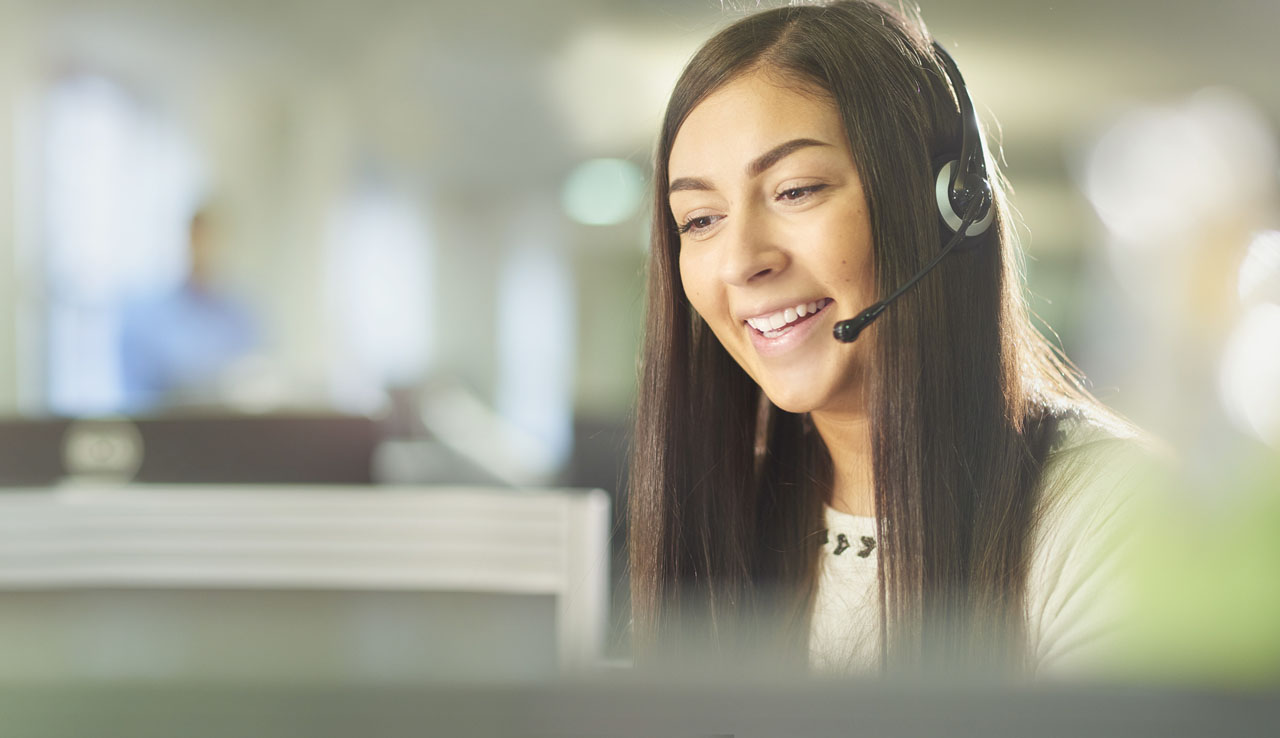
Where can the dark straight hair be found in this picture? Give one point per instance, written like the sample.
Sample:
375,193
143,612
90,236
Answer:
727,491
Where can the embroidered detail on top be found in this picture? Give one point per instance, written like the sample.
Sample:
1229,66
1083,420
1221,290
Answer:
842,542
868,545
826,537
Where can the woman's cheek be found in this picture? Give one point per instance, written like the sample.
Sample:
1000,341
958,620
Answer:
695,291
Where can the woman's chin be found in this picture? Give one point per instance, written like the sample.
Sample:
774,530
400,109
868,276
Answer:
815,396
793,402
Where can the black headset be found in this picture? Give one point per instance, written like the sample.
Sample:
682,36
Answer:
963,195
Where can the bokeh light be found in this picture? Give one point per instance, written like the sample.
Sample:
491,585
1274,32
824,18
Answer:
1161,171
1250,375
1260,269
603,191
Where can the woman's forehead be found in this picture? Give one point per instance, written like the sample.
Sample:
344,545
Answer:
747,117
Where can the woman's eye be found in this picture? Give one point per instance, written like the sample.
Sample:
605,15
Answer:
700,223
799,193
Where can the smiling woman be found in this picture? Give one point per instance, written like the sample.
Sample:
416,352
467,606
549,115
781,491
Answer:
909,499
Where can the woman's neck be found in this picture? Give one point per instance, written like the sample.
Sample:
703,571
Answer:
848,441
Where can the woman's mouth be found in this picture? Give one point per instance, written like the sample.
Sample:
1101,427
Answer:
776,325
779,332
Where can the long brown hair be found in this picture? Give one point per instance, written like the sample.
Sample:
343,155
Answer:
726,491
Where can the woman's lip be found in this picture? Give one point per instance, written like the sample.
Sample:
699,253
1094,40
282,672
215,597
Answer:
794,335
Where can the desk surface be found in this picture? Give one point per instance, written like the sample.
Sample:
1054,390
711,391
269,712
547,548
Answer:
615,706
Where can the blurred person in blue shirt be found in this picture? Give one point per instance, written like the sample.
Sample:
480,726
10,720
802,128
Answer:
177,348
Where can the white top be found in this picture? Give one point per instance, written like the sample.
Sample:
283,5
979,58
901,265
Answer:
1073,600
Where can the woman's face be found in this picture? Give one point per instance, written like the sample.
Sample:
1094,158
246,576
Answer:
775,243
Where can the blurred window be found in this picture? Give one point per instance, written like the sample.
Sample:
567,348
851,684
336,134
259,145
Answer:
379,292
118,186
536,344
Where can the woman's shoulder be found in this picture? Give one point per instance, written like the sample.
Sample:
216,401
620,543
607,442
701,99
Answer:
1093,453
1080,428
1093,478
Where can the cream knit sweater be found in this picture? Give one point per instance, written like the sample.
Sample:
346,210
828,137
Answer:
1074,602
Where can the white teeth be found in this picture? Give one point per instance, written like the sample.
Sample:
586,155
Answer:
770,324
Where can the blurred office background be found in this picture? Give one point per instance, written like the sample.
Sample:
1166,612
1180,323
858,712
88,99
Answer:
434,214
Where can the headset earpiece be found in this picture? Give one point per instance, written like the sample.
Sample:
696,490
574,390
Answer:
954,202
962,178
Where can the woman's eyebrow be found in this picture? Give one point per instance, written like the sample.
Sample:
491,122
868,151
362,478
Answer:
757,167
778,153
688,183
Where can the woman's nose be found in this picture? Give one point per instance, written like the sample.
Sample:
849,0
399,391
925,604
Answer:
752,251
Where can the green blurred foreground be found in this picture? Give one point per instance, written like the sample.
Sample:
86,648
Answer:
1206,579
